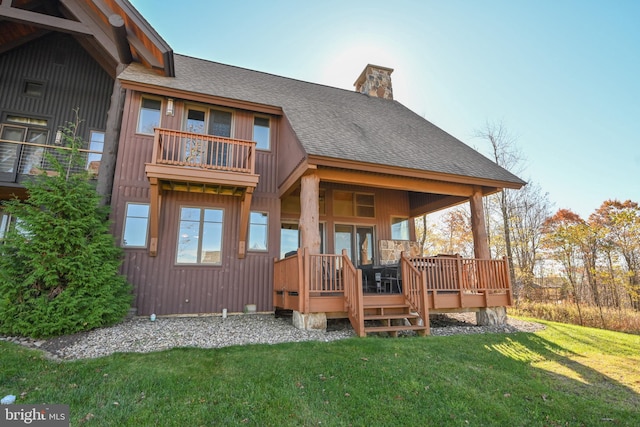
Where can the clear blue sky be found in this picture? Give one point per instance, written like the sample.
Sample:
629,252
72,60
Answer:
563,76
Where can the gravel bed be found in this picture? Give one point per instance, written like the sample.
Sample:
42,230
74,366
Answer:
141,335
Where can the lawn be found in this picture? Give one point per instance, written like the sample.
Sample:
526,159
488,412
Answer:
564,376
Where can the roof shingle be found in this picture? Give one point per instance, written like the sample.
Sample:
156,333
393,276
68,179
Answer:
332,122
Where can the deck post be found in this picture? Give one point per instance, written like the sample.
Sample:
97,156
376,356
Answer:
489,315
309,212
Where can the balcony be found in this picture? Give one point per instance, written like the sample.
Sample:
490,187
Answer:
192,162
19,160
185,161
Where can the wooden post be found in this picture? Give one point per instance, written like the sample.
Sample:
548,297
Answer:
111,137
309,213
245,208
154,216
478,226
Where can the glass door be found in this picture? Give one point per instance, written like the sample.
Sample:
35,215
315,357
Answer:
358,241
10,152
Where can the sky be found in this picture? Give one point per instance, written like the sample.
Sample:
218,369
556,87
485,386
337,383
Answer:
561,76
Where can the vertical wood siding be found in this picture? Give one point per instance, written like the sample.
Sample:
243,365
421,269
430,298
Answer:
162,286
71,78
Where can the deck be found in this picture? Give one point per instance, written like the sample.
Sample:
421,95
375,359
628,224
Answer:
331,284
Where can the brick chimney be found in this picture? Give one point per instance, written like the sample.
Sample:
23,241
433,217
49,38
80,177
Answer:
375,81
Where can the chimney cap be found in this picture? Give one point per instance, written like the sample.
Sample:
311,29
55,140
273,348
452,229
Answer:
363,74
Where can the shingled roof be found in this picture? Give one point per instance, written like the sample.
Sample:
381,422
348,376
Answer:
335,123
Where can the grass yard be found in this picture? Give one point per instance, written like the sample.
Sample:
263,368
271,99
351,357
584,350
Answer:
564,376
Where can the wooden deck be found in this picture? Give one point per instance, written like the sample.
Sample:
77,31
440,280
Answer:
331,284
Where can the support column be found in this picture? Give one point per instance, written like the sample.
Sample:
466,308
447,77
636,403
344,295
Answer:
310,239
309,213
154,215
489,316
478,225
107,166
245,209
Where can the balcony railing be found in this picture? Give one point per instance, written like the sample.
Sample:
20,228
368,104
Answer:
25,158
193,150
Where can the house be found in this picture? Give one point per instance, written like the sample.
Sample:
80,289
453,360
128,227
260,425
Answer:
221,172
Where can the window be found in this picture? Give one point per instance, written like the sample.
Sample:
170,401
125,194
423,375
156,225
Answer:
200,236
258,231
96,143
399,228
347,203
5,220
149,115
261,133
25,159
35,89
290,238
135,225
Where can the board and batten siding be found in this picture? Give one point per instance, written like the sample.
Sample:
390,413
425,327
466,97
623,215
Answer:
71,80
160,285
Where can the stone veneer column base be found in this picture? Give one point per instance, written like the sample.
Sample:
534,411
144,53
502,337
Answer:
492,316
310,321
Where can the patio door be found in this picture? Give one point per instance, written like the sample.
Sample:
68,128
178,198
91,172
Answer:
358,241
10,152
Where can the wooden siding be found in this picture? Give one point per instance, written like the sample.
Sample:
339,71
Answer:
71,78
162,286
292,152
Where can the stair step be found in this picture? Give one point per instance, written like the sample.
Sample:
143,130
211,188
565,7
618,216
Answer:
390,316
369,329
385,306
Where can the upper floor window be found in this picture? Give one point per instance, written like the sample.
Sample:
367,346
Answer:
399,228
211,121
261,133
149,117
348,203
200,236
25,159
258,231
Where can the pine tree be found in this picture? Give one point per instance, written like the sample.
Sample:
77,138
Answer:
59,263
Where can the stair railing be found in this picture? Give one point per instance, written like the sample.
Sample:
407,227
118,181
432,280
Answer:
414,289
353,297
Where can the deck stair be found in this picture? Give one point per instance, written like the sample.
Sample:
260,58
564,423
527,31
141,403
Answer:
392,318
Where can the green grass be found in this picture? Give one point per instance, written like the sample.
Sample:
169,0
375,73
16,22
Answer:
565,375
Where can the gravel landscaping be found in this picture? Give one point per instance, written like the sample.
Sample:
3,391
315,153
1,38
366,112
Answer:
142,335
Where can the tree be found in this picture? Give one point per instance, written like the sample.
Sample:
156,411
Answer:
506,154
59,263
621,221
559,239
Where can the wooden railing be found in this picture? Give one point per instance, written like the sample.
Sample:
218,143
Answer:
486,277
27,158
187,149
413,288
288,275
353,297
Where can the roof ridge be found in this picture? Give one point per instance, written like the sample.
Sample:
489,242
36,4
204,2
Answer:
279,76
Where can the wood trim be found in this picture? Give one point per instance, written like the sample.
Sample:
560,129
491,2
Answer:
200,97
245,209
289,184
394,182
491,185
44,21
154,216
203,176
